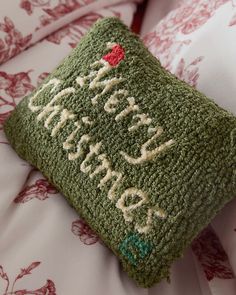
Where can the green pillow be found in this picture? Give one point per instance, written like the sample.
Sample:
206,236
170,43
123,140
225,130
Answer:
143,157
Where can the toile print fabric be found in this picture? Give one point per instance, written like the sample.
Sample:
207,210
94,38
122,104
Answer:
24,22
43,253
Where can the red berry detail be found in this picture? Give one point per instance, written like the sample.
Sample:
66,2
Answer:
115,56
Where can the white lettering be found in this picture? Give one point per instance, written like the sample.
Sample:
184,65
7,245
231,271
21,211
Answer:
147,155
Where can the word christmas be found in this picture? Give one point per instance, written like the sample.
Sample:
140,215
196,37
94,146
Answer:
97,81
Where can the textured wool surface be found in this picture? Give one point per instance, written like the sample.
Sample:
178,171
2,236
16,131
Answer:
143,157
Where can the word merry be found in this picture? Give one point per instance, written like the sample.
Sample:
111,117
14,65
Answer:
97,81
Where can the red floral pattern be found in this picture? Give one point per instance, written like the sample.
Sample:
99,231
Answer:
41,189
64,7
84,232
29,5
189,73
211,255
41,77
187,18
13,42
16,85
48,289
12,88
75,30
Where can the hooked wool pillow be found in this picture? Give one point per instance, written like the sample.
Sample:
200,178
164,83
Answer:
145,159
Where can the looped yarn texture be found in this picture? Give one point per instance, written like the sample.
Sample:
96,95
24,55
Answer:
143,157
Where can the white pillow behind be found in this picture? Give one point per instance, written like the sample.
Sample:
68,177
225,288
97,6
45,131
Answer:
197,42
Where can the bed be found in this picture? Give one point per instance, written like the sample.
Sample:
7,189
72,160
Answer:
45,247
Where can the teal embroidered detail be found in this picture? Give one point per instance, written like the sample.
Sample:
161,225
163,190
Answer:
134,248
